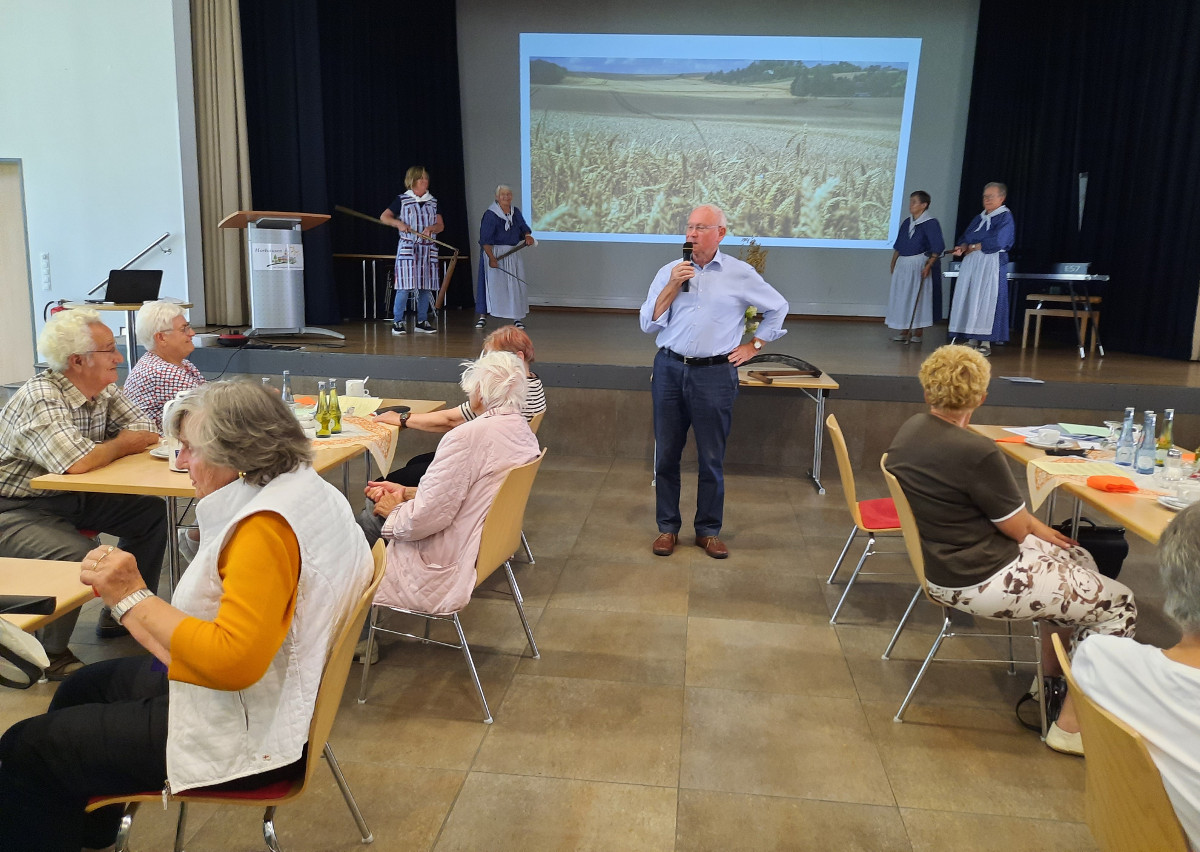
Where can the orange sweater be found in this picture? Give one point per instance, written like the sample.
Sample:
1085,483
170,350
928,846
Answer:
260,573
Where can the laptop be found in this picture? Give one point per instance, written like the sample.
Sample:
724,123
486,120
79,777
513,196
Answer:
133,286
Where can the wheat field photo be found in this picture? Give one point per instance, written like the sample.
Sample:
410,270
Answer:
788,150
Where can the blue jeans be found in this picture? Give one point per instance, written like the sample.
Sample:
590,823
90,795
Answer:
699,398
424,297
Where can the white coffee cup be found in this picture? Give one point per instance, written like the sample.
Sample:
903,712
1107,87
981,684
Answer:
356,387
1048,436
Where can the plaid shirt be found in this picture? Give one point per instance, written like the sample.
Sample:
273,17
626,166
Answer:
153,382
48,425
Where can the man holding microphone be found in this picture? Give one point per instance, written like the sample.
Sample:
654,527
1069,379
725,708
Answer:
697,309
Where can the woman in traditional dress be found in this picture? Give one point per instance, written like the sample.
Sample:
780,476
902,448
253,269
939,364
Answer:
914,263
415,215
980,309
502,280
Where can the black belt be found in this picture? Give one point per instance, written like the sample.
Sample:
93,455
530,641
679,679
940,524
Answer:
695,362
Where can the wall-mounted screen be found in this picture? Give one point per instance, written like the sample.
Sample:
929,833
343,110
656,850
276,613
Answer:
801,140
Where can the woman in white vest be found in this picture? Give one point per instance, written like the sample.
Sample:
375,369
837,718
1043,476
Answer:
227,694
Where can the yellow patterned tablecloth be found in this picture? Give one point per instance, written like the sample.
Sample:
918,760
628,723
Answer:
1045,474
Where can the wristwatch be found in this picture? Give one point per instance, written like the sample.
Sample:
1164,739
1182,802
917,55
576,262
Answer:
757,344
129,602
404,415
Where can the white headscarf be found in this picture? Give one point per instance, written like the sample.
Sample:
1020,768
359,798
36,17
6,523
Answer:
507,217
416,197
924,217
987,217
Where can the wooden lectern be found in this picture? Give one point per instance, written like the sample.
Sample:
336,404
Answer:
276,269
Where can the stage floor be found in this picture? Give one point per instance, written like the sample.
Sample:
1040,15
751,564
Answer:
839,347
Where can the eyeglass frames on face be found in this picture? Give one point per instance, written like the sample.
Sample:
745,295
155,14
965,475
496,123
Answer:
701,228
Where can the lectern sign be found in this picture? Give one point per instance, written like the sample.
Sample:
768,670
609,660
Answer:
276,256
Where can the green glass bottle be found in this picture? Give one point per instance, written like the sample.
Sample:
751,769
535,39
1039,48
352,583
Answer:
335,410
1167,439
322,410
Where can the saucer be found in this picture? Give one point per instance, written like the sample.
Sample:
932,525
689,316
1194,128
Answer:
161,452
1172,503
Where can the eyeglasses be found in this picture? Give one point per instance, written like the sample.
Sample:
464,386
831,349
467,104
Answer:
991,197
186,327
692,227
112,351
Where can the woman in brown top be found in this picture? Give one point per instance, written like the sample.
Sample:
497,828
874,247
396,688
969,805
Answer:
984,552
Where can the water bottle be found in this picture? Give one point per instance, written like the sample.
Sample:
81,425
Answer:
1167,439
335,409
322,410
1125,442
290,400
1144,457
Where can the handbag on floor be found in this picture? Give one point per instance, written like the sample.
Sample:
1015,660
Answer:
1107,544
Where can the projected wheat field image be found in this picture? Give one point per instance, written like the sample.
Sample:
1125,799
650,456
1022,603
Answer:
787,150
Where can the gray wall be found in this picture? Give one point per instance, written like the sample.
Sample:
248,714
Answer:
815,281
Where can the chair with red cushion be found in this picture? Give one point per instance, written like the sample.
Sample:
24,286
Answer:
270,796
873,517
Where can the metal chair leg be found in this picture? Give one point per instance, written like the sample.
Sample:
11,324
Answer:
887,655
528,553
845,550
516,593
1012,658
372,620
336,769
269,830
867,552
1041,676
122,843
937,643
462,639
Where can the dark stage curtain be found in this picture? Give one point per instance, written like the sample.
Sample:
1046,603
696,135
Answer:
1112,90
341,99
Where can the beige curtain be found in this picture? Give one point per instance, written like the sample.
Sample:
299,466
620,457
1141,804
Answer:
224,156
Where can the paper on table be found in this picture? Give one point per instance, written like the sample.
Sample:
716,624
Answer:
1082,467
1029,380
1079,429
358,406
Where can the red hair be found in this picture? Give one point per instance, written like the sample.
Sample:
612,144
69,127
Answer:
509,338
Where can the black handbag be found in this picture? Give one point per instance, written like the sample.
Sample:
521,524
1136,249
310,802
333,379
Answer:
1107,544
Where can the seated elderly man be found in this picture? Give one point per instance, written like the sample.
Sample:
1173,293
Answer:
1157,691
73,419
164,370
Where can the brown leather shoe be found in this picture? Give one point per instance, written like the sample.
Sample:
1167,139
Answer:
664,545
713,546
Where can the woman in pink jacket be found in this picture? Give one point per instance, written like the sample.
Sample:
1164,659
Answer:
432,533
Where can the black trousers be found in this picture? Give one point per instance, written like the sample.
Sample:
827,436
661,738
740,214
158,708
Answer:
104,734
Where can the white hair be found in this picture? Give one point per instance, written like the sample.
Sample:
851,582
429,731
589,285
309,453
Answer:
501,187
1179,569
717,211
153,317
497,378
67,333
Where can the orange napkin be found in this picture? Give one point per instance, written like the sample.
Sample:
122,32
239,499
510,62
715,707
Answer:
306,400
1010,439
1115,484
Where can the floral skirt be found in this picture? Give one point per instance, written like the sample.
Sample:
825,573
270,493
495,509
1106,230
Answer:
1052,584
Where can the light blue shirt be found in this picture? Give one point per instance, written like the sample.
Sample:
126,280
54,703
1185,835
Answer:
709,319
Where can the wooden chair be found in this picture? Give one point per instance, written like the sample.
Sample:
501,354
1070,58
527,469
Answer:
271,796
912,543
1078,310
1127,808
535,423
497,543
873,517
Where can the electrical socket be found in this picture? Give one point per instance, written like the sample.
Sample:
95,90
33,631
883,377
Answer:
45,270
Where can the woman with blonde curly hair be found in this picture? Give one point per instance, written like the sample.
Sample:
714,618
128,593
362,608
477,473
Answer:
984,552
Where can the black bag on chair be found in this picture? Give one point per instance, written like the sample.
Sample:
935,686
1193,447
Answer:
1107,544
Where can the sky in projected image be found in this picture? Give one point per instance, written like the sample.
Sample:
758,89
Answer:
802,141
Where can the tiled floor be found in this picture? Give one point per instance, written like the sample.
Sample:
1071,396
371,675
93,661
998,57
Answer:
679,703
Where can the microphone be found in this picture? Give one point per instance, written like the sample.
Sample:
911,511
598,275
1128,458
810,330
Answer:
687,255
